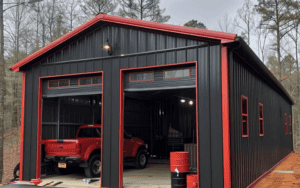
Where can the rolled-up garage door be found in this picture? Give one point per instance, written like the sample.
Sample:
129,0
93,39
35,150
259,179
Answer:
175,77
72,86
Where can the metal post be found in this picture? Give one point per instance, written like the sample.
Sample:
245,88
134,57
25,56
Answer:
58,115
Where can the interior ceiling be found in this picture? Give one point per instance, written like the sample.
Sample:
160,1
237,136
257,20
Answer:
155,94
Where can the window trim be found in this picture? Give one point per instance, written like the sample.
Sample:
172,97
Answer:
290,124
190,73
141,73
261,119
246,115
285,124
89,77
58,80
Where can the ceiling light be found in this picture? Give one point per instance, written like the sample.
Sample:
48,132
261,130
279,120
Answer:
182,101
191,102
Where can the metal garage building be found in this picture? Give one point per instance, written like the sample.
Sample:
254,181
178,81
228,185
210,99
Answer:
243,114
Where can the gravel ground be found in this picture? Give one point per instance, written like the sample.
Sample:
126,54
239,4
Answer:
11,155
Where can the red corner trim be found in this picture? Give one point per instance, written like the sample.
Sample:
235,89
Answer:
22,126
223,37
39,128
225,117
268,172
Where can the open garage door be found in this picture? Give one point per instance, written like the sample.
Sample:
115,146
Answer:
72,86
180,77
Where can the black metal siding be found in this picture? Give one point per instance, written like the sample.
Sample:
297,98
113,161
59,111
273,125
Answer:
125,41
254,155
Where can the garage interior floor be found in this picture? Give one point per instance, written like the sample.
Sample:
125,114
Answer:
156,175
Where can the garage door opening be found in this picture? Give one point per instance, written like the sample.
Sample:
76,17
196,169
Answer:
71,130
159,118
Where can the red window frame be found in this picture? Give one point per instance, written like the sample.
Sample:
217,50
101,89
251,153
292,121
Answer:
290,124
261,119
91,77
246,117
130,80
285,124
190,73
58,84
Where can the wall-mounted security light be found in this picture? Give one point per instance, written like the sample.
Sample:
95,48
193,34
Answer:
191,102
182,100
107,47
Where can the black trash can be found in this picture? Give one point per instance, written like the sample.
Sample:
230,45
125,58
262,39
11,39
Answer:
178,180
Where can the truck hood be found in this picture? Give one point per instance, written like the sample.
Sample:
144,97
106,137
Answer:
138,141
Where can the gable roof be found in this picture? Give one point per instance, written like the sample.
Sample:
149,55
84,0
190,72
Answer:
203,33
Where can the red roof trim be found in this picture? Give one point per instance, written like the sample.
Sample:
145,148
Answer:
224,37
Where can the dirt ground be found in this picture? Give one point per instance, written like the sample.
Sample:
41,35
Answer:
11,155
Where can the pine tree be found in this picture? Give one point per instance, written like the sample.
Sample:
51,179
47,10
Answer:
196,24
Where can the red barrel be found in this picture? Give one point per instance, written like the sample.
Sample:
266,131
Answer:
179,160
192,181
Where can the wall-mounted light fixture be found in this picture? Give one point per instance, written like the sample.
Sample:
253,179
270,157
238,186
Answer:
107,47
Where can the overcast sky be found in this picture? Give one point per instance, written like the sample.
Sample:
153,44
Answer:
205,11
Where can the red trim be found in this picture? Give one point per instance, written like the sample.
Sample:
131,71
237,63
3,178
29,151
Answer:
261,119
79,85
121,114
58,84
290,124
141,73
176,77
225,117
255,182
39,141
22,126
285,124
102,74
244,115
224,37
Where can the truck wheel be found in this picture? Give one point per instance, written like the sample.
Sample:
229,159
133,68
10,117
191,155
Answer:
94,168
140,160
17,171
60,171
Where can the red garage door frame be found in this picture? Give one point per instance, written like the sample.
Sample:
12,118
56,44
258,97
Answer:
39,124
121,112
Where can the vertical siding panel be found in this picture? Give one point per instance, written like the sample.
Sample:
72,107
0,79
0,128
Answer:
203,118
216,117
151,41
115,94
58,69
51,70
142,41
150,60
66,68
181,55
161,44
81,66
98,65
89,66
107,118
116,48
73,67
132,62
170,43
141,61
132,41
124,62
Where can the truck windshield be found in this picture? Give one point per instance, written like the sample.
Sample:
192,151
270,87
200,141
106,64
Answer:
89,133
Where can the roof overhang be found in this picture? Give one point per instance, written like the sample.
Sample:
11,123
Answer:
201,33
242,48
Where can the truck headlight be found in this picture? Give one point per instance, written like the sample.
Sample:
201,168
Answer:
146,146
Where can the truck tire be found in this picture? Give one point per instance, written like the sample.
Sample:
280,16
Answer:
60,171
17,171
141,160
94,168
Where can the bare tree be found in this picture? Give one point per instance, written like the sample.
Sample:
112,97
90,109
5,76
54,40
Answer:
246,15
226,24
157,15
277,15
262,34
70,8
90,8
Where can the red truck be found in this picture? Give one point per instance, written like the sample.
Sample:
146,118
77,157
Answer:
85,150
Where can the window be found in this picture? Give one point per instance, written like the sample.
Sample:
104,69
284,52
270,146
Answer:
53,84
89,81
261,119
89,133
290,124
244,109
179,73
285,124
141,76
